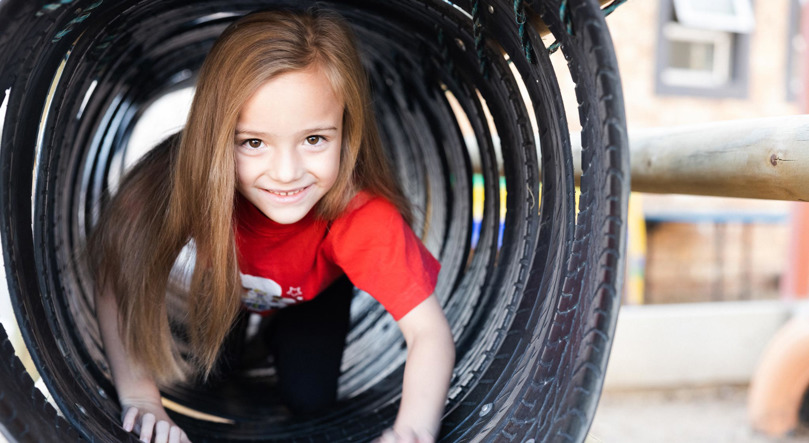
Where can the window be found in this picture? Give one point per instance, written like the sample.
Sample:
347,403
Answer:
697,58
719,15
703,47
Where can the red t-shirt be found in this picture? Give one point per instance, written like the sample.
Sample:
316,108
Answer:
370,242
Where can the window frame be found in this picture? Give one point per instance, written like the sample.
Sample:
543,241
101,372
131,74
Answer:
719,76
741,22
738,70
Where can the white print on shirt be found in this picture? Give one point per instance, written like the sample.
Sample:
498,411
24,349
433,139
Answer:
262,294
295,293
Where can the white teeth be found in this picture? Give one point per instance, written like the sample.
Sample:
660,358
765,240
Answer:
287,193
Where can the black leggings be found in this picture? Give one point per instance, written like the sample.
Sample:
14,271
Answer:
306,342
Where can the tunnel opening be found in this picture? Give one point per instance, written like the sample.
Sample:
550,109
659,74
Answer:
530,285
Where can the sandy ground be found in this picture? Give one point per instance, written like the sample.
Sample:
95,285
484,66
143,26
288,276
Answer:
709,415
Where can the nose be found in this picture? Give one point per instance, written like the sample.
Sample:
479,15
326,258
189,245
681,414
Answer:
286,166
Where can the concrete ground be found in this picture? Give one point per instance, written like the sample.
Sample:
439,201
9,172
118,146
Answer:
696,415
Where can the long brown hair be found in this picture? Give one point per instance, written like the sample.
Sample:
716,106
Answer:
187,190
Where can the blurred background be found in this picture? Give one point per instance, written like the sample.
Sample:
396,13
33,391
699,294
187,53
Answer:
710,280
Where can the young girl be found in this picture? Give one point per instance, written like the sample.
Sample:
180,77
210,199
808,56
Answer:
280,184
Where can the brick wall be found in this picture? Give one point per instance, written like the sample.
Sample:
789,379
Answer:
714,261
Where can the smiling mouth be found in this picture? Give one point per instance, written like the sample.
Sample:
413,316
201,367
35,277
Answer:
287,193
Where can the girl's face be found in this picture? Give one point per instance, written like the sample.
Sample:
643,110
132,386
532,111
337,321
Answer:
288,140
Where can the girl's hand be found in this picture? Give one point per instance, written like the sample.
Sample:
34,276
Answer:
430,358
150,421
405,436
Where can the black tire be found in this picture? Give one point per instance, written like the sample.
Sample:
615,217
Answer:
533,318
25,414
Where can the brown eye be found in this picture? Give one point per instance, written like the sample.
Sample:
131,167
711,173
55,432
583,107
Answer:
313,139
253,143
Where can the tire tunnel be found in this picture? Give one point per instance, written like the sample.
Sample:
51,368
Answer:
471,112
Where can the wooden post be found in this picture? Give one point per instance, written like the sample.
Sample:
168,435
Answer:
764,158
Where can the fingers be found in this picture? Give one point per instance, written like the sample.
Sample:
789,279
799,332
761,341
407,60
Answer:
161,434
408,438
147,424
391,436
162,431
167,433
425,438
174,435
129,419
387,437
149,429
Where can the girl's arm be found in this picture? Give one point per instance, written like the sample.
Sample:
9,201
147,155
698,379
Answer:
430,359
142,409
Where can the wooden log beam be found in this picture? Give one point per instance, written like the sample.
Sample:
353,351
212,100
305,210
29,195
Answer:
761,158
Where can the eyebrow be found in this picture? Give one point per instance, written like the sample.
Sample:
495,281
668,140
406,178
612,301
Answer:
271,135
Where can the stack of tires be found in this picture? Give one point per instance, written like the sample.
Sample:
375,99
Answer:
462,88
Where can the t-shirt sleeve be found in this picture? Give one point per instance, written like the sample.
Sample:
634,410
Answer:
382,256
